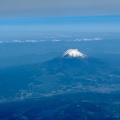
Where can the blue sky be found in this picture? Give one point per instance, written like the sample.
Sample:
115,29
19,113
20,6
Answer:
82,24
28,16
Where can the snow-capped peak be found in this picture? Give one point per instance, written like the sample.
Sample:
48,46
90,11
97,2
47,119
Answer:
73,53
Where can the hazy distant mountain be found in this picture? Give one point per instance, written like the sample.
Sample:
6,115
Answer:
73,59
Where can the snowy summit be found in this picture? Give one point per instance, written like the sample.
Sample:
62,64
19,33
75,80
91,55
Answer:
73,53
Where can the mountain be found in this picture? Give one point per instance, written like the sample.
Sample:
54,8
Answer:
67,70
71,86
73,53
73,59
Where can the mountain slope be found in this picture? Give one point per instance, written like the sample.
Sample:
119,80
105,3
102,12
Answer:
68,72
